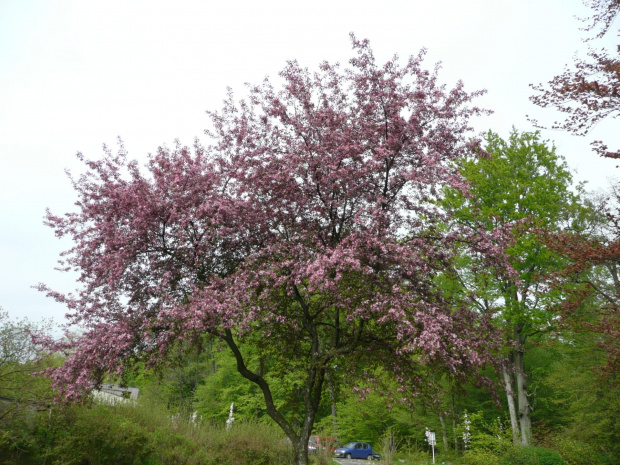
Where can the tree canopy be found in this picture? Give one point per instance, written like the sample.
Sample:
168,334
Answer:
310,230
522,181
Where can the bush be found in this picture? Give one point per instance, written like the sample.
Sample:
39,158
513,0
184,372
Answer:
174,449
548,457
248,443
520,456
137,435
531,456
576,453
480,457
489,437
101,436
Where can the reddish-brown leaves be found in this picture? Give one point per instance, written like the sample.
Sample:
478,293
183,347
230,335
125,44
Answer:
590,92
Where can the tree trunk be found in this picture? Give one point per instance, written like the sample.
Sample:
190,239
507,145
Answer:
525,409
510,397
456,443
455,437
332,397
311,393
444,433
301,452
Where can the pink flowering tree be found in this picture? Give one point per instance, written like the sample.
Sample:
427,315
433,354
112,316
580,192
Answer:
309,230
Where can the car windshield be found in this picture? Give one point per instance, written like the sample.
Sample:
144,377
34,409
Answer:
349,445
313,440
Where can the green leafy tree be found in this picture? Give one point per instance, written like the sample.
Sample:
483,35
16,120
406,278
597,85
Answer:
21,394
579,409
522,182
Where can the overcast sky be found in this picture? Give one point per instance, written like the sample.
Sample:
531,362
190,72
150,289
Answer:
75,74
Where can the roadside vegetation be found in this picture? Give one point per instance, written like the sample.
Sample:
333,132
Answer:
181,414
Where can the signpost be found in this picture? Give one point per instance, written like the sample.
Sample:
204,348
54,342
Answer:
430,438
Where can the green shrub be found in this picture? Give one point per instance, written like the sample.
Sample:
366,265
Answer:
248,443
489,437
520,456
480,457
101,436
139,435
412,454
576,453
175,449
548,457
531,456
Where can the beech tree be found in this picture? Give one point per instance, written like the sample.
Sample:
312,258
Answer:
522,181
308,230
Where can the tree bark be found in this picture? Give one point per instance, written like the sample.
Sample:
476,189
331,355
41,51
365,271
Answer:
455,437
332,397
444,433
525,409
510,398
300,448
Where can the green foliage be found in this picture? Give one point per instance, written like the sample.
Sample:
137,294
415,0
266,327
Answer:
21,394
520,456
249,443
99,436
577,406
171,448
223,386
388,445
368,419
487,436
522,177
412,454
361,420
531,456
524,185
581,421
137,435
576,453
174,384
548,457
522,181
481,457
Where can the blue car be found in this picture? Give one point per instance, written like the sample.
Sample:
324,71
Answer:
356,450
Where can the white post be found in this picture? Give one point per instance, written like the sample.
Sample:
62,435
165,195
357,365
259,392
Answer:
230,420
430,438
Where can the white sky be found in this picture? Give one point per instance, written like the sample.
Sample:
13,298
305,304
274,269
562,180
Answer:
75,74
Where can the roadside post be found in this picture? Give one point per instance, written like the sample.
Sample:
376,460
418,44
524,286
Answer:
430,438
